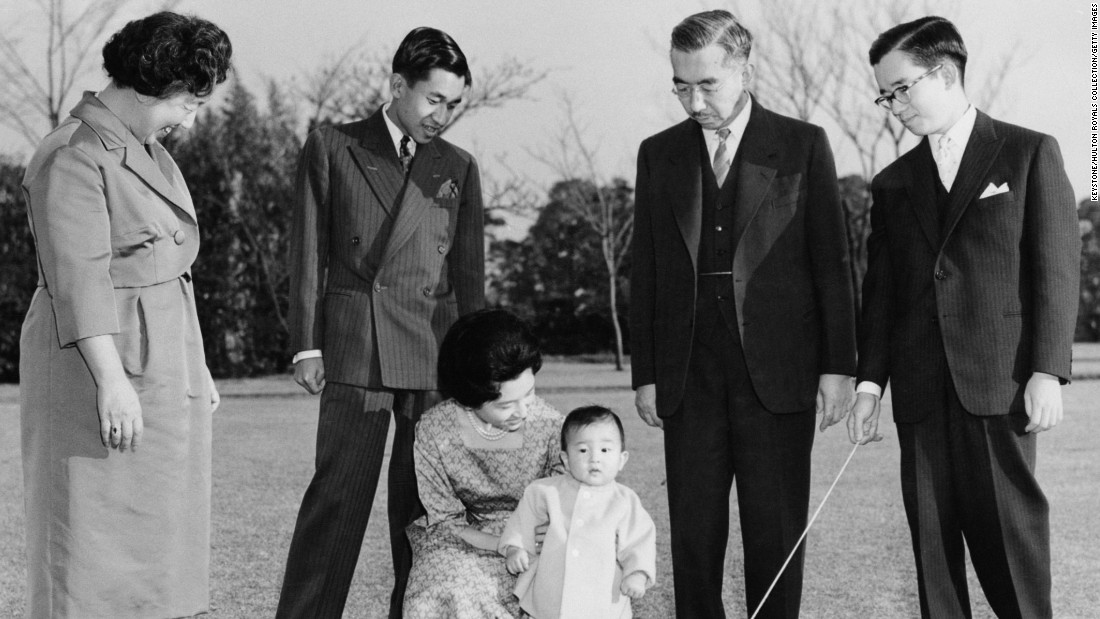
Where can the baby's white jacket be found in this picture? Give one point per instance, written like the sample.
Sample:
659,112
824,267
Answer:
596,535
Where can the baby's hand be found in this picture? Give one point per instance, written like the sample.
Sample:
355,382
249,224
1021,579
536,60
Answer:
633,586
517,560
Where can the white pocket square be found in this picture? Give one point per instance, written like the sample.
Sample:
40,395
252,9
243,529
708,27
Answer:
994,190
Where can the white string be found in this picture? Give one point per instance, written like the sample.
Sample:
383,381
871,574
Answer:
803,536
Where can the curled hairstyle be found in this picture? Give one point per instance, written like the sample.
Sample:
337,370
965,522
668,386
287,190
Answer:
713,28
166,54
425,49
585,416
482,350
928,41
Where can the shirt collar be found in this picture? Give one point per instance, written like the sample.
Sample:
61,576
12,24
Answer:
961,130
736,127
395,132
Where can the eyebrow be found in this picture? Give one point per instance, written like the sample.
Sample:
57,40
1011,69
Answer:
708,80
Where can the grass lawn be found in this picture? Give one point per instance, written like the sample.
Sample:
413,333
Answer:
859,561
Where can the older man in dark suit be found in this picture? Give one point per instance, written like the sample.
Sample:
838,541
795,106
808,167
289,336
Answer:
741,316
969,308
387,252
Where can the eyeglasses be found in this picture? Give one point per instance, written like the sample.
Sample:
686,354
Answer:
686,92
901,93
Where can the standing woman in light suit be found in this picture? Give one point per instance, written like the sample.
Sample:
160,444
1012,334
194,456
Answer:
116,399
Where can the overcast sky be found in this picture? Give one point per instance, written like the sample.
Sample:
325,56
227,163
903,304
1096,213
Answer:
610,57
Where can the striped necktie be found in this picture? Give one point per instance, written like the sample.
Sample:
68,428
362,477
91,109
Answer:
405,155
721,162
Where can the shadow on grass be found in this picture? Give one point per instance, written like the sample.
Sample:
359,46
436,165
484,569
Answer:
859,561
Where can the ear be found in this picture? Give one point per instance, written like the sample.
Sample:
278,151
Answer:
625,456
565,459
747,74
950,74
397,85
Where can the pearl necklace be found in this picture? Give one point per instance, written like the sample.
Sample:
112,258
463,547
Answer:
485,434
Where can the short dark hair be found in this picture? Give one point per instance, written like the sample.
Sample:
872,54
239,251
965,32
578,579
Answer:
587,415
425,49
166,54
482,350
713,28
928,41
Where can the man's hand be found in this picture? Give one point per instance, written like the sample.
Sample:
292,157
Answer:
517,560
834,398
633,586
645,400
863,423
1043,402
310,374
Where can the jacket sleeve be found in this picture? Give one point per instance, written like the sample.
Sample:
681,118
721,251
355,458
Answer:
642,279
529,513
72,231
878,299
466,260
1053,240
827,235
309,240
637,542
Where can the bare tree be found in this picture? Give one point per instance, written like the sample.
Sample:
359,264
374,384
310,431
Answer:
573,156
31,93
355,83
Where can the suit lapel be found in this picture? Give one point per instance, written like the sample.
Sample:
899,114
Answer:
759,153
135,158
922,174
376,158
424,180
982,148
687,192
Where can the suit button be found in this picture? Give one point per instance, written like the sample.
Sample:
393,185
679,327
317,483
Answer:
442,249
378,287
941,274
934,320
718,228
354,240
427,292
179,237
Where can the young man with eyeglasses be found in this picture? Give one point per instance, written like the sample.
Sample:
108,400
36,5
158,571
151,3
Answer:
741,316
969,308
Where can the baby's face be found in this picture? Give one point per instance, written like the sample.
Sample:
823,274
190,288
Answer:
594,454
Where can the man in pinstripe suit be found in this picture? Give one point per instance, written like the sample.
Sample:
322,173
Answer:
969,306
387,252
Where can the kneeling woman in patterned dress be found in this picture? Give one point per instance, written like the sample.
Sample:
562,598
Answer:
475,454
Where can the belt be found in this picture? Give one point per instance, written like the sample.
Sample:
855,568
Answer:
717,273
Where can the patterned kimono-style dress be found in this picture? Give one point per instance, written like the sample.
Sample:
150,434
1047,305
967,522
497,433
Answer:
459,486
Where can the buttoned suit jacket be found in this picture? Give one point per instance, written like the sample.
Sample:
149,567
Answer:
791,276
994,283
381,268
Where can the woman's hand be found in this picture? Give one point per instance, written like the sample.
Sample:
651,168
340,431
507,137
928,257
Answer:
120,423
215,397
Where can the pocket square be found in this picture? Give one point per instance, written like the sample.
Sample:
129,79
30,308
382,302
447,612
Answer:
994,190
449,189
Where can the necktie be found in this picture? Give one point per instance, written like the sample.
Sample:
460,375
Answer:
946,161
405,155
721,162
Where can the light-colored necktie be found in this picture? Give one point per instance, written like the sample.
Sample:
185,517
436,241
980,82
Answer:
721,162
405,155
946,161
